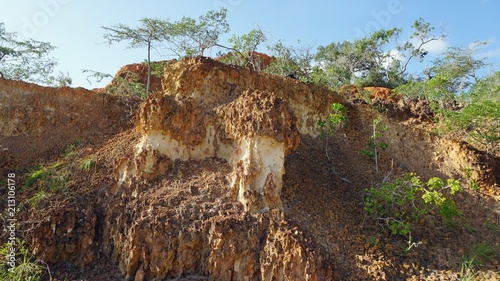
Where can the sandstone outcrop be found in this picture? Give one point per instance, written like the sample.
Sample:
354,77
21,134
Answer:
209,109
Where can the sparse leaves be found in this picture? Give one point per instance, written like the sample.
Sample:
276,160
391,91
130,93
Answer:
326,128
186,37
291,60
149,34
28,60
244,48
374,144
192,38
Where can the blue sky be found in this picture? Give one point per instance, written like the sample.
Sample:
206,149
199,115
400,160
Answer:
75,26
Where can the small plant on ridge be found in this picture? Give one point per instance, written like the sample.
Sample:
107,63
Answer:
374,144
328,127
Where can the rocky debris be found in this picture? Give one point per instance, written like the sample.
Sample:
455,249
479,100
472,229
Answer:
6,158
387,101
382,93
183,225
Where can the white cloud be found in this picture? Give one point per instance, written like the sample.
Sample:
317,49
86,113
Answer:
436,47
491,54
393,55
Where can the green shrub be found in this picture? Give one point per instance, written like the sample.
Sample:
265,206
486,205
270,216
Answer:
398,205
479,122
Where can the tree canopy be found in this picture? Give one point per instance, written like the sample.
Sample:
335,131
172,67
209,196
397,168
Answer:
376,60
150,33
28,60
186,37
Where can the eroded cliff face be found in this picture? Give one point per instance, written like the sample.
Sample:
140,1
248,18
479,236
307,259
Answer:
209,109
221,176
249,122
38,122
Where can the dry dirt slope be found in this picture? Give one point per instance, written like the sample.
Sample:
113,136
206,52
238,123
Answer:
222,177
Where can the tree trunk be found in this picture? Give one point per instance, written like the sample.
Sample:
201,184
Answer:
149,68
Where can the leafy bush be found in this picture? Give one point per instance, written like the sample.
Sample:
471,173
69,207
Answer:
479,122
291,60
398,205
128,86
243,49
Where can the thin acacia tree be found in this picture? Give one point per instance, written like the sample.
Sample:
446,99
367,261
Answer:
149,34
187,37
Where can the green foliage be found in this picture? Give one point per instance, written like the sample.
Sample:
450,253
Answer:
150,34
28,60
401,203
35,175
291,60
45,181
186,37
374,144
460,66
479,122
449,77
38,197
192,38
128,86
244,48
158,68
50,180
87,163
421,36
448,210
371,61
475,258
493,227
27,268
336,118
96,75
487,89
339,62
438,88
473,182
